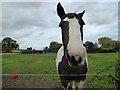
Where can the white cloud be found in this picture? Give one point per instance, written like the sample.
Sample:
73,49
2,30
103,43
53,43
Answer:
93,32
35,24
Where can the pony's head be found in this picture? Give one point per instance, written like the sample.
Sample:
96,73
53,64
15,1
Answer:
72,35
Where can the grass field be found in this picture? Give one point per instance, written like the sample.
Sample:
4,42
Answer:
45,64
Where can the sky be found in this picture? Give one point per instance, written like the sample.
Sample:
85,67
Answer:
35,24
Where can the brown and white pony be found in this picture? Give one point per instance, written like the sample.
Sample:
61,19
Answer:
71,60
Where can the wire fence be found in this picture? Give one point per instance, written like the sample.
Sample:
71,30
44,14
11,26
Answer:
93,78
97,74
59,74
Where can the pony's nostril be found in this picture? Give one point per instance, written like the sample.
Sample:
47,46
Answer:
80,60
73,61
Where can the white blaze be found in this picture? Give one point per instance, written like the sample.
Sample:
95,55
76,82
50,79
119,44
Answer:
75,46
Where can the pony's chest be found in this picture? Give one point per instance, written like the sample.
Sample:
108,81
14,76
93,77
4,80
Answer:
64,68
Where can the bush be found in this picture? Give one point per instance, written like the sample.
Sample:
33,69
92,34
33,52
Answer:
28,51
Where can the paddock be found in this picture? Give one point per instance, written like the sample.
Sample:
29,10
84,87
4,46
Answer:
39,71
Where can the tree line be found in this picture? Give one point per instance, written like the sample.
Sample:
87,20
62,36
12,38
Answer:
105,44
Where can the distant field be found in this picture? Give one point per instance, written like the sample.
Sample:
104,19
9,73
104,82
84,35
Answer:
45,64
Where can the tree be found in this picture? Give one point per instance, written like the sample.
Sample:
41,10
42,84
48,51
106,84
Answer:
54,46
46,49
30,48
90,46
9,44
108,44
0,46
105,43
116,45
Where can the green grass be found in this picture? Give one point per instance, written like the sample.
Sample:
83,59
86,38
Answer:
30,64
45,64
98,63
16,51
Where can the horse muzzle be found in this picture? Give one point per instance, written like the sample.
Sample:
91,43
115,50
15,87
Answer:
74,60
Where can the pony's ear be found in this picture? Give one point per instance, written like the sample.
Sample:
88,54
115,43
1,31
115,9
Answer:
60,10
80,15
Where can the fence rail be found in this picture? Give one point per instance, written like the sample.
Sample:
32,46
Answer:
58,74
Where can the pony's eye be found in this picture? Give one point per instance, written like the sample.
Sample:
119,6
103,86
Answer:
61,23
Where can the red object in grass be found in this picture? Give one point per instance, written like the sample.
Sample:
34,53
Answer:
14,76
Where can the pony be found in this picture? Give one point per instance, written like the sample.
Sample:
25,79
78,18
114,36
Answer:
71,60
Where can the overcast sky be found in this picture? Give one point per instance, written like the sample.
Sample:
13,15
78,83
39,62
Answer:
35,24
